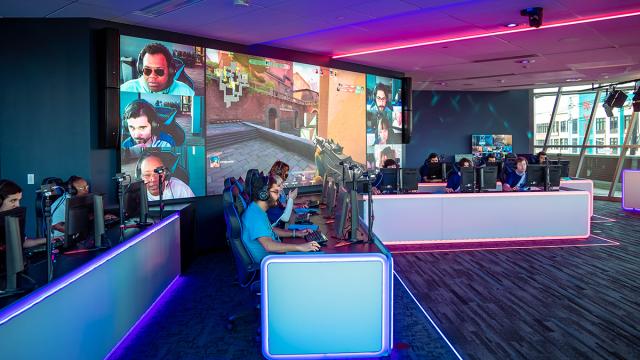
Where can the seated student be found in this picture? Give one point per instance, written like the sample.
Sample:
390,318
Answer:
377,183
75,186
541,158
454,177
10,196
424,169
515,179
282,211
172,187
258,236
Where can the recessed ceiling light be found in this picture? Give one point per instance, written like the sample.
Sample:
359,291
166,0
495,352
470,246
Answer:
510,25
525,61
573,80
442,83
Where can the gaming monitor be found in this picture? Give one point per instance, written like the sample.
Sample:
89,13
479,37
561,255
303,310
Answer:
136,208
389,182
11,235
79,220
467,179
555,174
536,176
482,145
409,179
342,210
435,171
487,178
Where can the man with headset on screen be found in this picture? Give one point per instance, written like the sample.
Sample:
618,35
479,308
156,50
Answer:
157,70
141,119
258,236
377,112
172,188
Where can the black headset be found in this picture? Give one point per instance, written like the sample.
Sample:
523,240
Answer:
71,189
263,193
170,64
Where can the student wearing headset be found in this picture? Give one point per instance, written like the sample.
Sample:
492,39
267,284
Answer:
141,119
258,236
75,186
157,71
10,196
172,188
284,207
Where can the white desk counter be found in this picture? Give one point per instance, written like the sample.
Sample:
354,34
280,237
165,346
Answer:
424,218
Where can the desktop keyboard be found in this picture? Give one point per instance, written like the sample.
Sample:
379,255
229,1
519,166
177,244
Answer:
318,237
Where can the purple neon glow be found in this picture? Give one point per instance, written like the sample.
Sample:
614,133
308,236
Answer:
143,321
328,258
39,295
632,209
428,317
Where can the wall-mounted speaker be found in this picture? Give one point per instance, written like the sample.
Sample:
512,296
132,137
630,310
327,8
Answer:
108,60
407,106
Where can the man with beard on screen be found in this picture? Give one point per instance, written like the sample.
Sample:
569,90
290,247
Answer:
141,119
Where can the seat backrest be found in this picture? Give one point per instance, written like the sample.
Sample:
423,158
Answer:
245,266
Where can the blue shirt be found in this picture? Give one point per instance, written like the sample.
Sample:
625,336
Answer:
513,179
255,224
140,86
453,180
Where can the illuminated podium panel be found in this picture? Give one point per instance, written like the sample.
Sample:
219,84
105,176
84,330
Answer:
424,218
631,190
326,305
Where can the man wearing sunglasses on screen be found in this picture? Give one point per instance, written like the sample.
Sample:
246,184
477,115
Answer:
157,73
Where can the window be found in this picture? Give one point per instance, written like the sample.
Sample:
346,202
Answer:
574,127
600,122
563,126
542,128
574,142
600,141
613,125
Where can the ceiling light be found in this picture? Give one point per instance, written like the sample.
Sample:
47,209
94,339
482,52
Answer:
241,2
573,80
525,61
511,25
583,20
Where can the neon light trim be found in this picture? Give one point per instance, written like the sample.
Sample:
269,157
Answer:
39,295
492,33
151,308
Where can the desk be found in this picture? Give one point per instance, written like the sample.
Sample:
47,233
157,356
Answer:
424,218
580,184
438,187
86,312
333,304
631,190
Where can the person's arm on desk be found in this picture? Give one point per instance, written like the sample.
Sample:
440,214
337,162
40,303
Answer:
278,247
291,233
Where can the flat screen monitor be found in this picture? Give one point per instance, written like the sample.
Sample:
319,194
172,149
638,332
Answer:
536,176
389,182
488,178
436,171
11,235
79,220
331,195
564,168
135,204
467,179
483,145
343,207
409,179
555,174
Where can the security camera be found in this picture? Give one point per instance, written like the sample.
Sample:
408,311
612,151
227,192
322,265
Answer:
534,14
